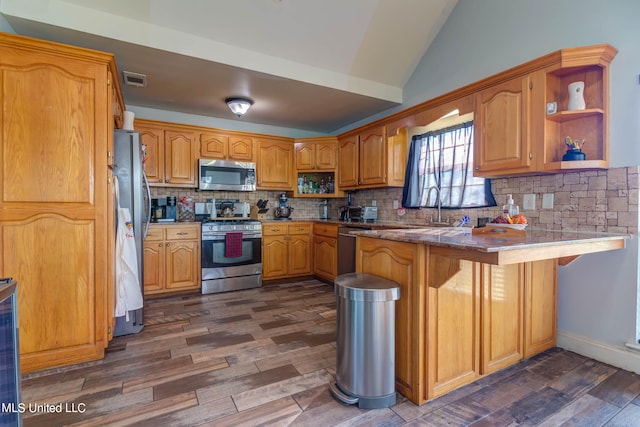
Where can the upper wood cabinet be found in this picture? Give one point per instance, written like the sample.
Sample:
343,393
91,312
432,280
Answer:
56,210
502,140
316,154
274,166
225,146
521,123
369,159
591,66
171,153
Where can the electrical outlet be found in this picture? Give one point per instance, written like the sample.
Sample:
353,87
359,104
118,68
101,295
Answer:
395,204
529,202
547,201
373,203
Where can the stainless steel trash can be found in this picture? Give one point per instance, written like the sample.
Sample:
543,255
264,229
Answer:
365,340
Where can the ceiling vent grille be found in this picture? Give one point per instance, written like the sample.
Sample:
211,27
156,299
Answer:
134,79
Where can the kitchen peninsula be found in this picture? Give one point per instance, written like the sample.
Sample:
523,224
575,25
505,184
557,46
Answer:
471,304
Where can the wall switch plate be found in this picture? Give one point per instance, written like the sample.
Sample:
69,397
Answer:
547,201
529,202
373,203
395,204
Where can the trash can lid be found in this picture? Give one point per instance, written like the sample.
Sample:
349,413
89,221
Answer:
366,287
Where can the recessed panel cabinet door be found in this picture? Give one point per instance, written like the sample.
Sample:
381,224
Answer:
348,167
501,128
182,268
179,157
152,138
154,259
55,126
373,156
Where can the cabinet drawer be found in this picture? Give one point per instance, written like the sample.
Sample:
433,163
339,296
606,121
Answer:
155,233
301,228
183,233
327,230
274,229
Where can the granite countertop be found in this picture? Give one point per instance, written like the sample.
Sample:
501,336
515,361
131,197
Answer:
497,248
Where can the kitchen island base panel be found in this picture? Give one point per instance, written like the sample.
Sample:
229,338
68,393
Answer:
459,320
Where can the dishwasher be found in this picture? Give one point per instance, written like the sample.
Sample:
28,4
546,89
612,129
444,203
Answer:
347,249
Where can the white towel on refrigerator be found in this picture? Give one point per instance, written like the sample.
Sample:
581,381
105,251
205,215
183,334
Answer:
128,292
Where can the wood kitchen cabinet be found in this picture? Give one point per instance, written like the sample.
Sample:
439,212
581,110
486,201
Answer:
286,250
316,154
457,320
502,139
56,216
325,251
171,153
274,164
516,130
226,146
369,159
172,259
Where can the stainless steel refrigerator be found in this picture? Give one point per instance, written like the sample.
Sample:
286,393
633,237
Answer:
134,194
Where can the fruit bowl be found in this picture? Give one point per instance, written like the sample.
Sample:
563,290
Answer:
514,226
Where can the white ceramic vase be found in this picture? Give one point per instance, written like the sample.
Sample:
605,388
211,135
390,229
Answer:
127,124
576,96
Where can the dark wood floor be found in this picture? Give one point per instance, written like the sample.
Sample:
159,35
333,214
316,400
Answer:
265,357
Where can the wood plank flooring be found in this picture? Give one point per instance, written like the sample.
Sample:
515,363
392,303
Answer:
265,357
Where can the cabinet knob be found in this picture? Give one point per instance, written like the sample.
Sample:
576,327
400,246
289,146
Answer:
159,245
182,233
168,244
477,168
530,155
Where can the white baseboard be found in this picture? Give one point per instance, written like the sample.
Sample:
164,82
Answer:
625,356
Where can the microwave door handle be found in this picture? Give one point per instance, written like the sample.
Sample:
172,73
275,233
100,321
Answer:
147,205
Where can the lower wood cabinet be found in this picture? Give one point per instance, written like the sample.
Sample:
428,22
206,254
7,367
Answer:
325,251
172,258
286,250
458,320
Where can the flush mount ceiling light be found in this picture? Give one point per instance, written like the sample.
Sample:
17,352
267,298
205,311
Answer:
239,106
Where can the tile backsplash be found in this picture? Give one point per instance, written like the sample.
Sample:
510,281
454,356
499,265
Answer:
604,201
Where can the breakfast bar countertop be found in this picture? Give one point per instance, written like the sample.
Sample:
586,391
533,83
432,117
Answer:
501,248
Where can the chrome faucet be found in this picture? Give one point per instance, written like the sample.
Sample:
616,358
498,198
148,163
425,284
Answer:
435,187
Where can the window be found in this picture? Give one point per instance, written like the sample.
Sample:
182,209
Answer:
443,159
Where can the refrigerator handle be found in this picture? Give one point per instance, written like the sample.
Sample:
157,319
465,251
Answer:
148,205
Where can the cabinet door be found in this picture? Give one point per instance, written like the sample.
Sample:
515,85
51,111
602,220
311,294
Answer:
213,145
348,166
275,164
397,152
501,131
325,257
453,326
502,302
55,126
299,255
373,157
326,155
540,306
179,158
240,148
404,264
154,259
305,156
182,266
153,140
274,256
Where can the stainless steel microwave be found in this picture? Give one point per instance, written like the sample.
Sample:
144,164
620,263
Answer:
226,175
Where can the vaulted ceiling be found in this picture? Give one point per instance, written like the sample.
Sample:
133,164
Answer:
316,65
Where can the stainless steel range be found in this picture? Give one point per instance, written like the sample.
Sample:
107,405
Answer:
231,255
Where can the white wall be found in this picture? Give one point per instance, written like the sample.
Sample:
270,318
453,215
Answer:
4,25
598,294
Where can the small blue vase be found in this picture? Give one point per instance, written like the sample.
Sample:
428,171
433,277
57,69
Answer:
573,154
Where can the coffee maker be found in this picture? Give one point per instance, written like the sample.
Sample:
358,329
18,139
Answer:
283,211
163,210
